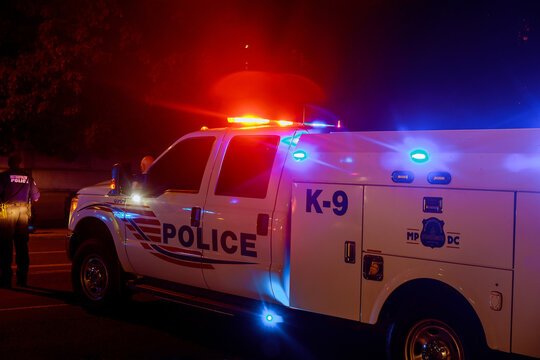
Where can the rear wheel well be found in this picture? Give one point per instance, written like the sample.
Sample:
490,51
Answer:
90,228
421,294
426,318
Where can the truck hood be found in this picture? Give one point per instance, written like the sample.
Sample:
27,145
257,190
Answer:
101,188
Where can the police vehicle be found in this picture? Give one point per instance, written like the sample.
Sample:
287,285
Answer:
433,234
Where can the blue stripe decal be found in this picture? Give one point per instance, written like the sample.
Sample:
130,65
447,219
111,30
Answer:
128,218
198,259
138,229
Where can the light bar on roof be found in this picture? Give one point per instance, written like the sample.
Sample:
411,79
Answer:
249,120
320,124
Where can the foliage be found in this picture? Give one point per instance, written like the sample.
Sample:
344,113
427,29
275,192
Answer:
45,70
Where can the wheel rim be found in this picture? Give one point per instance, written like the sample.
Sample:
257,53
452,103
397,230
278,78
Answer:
94,277
433,340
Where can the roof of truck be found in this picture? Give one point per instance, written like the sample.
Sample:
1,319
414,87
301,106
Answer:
506,159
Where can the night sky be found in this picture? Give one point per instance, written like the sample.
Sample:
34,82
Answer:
383,65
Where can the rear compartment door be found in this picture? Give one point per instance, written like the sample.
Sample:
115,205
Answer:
326,235
460,226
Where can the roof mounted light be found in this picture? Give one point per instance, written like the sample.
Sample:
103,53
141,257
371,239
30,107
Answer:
247,121
252,120
419,156
319,124
285,123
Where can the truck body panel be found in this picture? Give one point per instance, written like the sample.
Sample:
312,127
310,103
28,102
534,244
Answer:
526,312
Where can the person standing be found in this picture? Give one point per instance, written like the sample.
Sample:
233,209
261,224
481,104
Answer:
17,191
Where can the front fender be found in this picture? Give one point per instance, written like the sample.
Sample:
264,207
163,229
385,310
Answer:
111,216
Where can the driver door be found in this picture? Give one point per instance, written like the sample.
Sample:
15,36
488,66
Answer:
162,234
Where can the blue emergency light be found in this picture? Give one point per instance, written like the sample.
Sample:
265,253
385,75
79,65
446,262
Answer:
270,318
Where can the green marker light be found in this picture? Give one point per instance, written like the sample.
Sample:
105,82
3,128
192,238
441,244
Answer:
419,156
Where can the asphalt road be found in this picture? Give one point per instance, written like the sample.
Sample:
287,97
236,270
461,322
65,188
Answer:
43,321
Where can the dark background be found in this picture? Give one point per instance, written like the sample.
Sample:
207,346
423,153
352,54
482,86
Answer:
110,77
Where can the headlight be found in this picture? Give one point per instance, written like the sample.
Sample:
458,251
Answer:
73,206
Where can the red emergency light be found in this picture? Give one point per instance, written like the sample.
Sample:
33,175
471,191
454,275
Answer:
251,120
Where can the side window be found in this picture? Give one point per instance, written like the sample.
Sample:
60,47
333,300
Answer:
247,165
182,167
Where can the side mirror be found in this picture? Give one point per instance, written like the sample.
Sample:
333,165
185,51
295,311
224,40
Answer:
121,179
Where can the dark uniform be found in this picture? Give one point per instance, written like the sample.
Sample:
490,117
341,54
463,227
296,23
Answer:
17,190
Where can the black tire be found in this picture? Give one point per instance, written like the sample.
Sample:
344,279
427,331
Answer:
428,335
96,276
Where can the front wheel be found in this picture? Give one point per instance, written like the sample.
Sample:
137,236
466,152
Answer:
96,275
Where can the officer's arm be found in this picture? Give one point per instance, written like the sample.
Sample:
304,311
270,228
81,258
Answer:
34,191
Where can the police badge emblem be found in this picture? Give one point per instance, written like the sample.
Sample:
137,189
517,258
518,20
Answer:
432,233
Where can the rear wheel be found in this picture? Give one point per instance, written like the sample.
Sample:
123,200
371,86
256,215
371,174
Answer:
96,275
428,337
433,339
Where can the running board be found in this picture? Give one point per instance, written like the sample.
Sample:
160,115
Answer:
189,299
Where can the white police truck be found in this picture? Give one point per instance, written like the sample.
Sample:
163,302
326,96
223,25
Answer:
433,234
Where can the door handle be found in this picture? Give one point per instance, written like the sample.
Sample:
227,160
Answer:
196,216
263,221
350,252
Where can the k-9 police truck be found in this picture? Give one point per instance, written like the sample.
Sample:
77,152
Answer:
433,234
